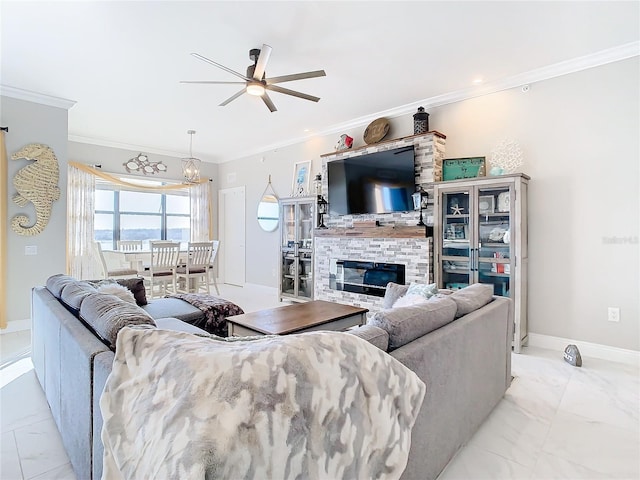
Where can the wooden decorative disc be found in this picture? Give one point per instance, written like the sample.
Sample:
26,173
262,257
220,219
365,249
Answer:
376,130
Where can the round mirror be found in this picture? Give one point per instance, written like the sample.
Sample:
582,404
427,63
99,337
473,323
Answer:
268,213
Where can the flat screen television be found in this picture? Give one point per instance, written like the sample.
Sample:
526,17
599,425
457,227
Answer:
380,182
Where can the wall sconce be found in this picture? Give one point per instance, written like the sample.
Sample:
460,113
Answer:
191,165
420,199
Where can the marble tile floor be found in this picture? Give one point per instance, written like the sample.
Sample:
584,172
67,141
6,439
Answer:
555,421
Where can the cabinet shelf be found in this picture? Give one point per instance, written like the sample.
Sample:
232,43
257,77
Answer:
479,239
297,215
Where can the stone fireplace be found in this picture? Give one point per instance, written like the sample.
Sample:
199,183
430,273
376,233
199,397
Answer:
395,239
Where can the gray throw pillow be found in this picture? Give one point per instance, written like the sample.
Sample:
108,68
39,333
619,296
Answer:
107,314
374,335
392,293
405,324
471,298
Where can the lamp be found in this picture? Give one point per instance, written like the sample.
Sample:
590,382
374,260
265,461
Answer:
322,204
256,89
420,199
191,165
322,210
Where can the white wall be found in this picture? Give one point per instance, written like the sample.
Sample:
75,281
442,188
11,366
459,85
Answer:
579,134
30,122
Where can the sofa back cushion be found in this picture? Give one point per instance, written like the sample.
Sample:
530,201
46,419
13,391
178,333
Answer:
472,298
74,293
374,335
107,314
56,283
405,324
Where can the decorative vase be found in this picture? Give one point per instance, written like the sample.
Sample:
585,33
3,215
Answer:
420,121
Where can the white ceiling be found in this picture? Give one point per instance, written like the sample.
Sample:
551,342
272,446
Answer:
122,62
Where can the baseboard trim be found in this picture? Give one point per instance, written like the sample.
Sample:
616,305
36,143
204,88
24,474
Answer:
17,326
587,349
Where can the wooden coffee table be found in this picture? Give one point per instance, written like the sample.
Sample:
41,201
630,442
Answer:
297,318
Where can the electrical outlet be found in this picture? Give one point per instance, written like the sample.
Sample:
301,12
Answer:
613,314
31,250
273,272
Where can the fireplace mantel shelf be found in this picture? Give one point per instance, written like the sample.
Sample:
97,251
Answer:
373,232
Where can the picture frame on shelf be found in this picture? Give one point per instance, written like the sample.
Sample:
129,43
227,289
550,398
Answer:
456,231
486,204
301,179
504,202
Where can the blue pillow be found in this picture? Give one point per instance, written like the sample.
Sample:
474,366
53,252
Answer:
427,291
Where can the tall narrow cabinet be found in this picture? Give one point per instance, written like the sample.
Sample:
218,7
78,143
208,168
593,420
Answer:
297,220
480,236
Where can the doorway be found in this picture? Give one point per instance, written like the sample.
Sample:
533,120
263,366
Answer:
231,212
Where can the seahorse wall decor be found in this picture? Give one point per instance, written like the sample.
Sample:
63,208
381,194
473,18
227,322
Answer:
36,183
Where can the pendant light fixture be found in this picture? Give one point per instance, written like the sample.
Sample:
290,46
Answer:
191,165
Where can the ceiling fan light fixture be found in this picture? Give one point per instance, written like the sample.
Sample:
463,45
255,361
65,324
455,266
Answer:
256,89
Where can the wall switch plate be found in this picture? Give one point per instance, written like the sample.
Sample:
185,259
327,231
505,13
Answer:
613,314
31,250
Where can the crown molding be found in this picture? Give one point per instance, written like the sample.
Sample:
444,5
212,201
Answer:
101,142
603,57
35,97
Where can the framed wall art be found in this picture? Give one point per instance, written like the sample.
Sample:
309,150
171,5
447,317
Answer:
301,178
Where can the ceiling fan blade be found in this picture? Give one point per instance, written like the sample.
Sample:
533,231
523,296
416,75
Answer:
232,98
261,64
207,81
286,91
267,101
205,59
295,76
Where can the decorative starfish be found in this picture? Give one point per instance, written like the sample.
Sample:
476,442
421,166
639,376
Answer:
456,210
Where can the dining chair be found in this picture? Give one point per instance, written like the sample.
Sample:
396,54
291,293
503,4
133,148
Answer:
129,245
195,272
162,269
113,264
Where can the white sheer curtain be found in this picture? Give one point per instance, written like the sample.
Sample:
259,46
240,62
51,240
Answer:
81,263
201,208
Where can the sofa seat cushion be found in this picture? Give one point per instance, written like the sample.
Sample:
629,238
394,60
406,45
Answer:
472,298
176,325
108,314
173,307
374,335
405,324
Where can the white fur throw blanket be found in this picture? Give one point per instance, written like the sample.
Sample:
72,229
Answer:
321,405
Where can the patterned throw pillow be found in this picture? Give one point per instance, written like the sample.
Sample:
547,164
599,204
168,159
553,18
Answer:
427,291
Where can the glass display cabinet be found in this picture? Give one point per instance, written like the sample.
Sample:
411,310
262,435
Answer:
480,236
297,220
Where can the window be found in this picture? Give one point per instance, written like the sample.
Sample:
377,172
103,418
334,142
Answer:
128,214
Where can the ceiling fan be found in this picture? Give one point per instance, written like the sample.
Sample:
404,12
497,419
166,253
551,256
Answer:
255,82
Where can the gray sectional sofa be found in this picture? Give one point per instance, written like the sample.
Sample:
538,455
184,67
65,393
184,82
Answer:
458,344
